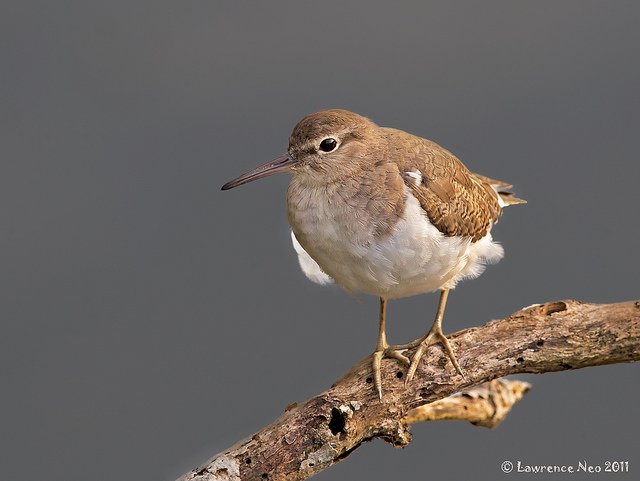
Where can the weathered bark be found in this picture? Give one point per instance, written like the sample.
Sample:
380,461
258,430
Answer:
485,405
324,430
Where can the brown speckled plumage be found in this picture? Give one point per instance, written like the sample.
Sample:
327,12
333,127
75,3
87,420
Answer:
457,202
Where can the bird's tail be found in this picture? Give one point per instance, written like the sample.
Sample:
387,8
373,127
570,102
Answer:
503,190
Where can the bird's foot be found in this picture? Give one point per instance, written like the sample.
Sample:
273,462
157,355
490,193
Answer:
385,352
434,336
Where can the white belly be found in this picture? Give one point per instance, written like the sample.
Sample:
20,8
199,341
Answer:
414,258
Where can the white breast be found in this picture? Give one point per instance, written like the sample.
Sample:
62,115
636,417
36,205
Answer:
415,258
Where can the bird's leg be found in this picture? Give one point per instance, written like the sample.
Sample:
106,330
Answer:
383,349
433,336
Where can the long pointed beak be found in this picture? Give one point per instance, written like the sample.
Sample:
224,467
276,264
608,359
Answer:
275,166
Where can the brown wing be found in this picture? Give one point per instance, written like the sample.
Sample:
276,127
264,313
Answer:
457,202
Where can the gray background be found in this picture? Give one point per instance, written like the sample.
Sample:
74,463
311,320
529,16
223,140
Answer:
149,320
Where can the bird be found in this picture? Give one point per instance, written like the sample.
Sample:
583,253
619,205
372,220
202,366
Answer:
383,212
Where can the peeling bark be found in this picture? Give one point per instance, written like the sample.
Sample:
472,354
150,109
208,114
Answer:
324,430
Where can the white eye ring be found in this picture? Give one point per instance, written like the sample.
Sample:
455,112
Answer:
328,144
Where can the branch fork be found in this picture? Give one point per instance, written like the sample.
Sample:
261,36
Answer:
312,436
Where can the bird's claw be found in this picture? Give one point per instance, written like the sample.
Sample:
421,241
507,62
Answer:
434,336
387,352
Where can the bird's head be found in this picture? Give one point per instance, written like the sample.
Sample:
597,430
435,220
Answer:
324,147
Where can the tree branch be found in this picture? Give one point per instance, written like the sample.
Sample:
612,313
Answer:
485,405
324,430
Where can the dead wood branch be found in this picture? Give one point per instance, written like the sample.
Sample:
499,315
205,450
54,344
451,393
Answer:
485,405
324,430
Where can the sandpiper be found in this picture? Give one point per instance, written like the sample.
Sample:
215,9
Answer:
384,212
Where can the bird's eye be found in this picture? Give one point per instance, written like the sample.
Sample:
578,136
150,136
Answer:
327,145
